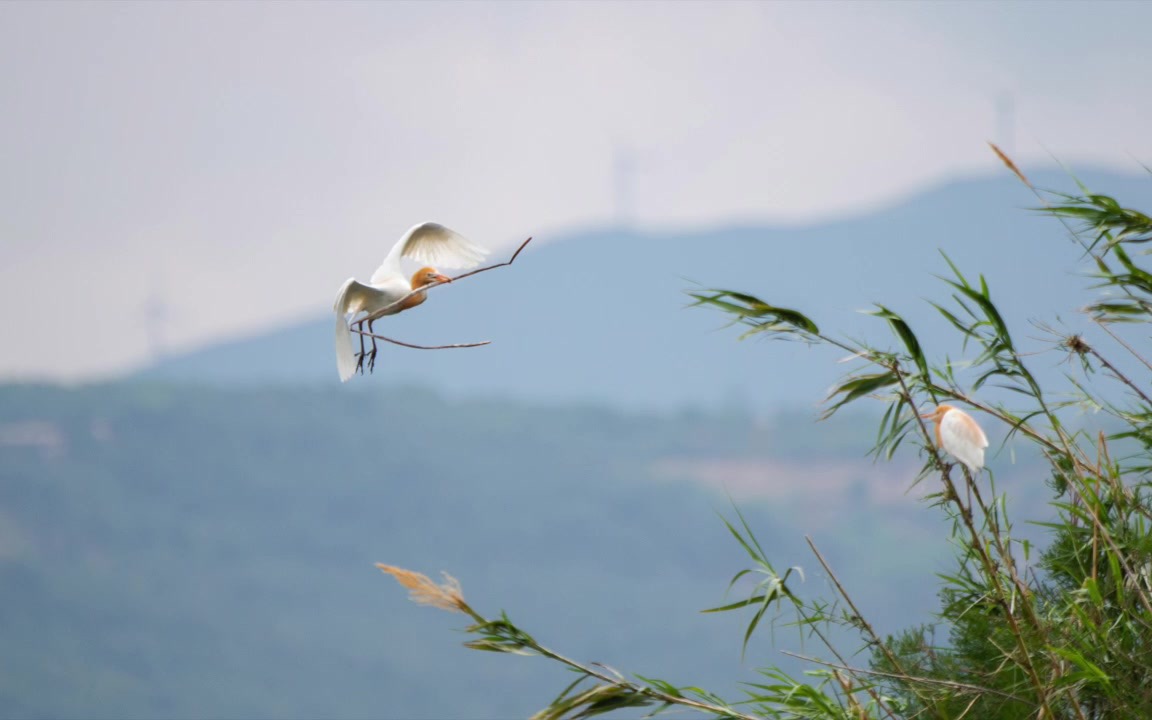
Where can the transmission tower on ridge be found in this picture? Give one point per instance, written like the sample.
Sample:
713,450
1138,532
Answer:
1006,122
157,314
623,179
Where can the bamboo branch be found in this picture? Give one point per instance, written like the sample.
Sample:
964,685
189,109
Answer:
1077,344
880,702
913,678
643,690
448,596
1104,326
867,626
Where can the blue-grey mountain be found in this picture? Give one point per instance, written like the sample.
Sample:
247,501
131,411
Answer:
601,315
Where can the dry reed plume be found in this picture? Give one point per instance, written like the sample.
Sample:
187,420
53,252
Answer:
423,591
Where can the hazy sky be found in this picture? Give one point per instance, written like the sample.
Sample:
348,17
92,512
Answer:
243,159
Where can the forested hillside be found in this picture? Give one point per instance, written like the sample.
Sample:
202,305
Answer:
175,552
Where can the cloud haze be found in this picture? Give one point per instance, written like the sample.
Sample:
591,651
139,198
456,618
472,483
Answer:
245,158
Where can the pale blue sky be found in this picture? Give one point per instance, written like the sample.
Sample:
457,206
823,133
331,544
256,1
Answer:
247,157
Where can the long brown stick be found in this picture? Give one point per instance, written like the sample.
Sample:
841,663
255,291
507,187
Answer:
423,347
493,267
384,310
357,326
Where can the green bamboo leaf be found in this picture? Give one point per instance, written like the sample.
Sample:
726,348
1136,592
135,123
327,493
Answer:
754,304
859,386
716,302
752,625
739,539
1071,211
961,326
763,557
955,270
1137,275
736,605
663,686
498,646
1091,587
735,578
572,686
754,310
1088,670
989,310
904,332
595,700
1119,311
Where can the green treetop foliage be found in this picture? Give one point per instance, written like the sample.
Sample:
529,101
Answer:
1059,632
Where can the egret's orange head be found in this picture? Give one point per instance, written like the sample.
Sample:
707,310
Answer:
426,276
937,414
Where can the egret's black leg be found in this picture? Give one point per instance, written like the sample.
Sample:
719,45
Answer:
372,355
360,356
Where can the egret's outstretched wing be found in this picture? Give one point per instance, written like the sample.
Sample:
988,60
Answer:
352,298
432,244
963,438
349,301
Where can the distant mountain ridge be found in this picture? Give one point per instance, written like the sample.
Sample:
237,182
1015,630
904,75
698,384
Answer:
600,315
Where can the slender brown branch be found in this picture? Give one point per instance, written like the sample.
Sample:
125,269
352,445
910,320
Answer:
913,678
644,690
993,524
357,326
1104,326
422,347
855,610
815,628
493,267
876,640
387,308
1085,347
880,703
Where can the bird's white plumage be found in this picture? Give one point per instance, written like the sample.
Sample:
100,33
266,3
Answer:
428,243
432,244
353,297
345,303
963,438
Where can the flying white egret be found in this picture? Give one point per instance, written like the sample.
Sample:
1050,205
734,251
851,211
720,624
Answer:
959,435
429,243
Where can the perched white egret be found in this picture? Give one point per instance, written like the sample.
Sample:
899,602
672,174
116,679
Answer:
959,435
429,243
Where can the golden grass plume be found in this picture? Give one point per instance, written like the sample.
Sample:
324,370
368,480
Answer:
423,591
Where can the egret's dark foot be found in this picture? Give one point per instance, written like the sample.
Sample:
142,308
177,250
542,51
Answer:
360,363
372,356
